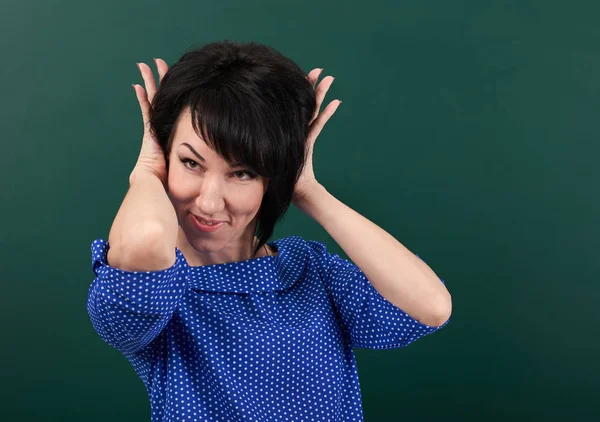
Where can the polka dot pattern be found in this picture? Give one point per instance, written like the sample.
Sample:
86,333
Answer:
266,339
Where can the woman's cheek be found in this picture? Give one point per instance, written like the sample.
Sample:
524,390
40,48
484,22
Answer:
248,200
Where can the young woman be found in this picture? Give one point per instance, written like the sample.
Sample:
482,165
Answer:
219,323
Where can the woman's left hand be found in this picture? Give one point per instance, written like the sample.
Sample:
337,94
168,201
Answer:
307,181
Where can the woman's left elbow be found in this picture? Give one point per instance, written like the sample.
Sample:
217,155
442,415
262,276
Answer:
444,310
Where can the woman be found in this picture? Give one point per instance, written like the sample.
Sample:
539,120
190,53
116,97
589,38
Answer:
218,323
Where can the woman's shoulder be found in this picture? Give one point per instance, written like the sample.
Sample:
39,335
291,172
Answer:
294,242
299,247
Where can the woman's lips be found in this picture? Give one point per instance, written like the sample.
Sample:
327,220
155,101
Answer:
205,227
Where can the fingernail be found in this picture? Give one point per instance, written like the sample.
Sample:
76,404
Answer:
155,62
139,68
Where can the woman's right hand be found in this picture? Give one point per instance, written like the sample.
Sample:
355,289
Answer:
151,156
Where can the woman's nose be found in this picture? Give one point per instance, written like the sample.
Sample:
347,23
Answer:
210,199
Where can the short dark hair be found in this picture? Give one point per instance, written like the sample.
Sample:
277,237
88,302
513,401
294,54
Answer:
249,103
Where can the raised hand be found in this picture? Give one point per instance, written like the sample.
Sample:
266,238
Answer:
151,157
307,180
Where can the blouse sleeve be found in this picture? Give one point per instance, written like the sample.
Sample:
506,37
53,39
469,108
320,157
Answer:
368,319
128,309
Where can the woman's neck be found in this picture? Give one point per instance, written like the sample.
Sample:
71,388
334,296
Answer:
196,258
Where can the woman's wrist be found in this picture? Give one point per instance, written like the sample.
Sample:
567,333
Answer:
141,171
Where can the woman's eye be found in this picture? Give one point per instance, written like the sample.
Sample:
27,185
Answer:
187,161
240,174
250,176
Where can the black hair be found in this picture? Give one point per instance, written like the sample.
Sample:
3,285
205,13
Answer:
249,103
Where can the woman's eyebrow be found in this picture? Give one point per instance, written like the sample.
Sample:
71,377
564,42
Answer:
201,158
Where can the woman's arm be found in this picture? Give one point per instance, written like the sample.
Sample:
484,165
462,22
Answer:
397,274
144,228
129,309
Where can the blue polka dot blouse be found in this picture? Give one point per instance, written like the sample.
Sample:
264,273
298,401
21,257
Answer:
266,339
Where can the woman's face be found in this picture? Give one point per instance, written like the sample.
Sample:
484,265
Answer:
202,184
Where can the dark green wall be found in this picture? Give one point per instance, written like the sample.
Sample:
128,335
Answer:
469,130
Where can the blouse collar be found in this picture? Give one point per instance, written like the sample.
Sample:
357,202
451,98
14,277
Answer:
262,274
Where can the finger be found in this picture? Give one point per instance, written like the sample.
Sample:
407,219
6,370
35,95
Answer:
320,94
144,104
162,67
319,122
149,81
313,76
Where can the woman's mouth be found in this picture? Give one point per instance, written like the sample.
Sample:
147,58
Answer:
205,226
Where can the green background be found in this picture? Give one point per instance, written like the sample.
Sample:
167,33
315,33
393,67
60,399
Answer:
468,130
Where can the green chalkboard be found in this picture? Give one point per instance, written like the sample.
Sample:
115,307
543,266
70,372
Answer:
469,131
